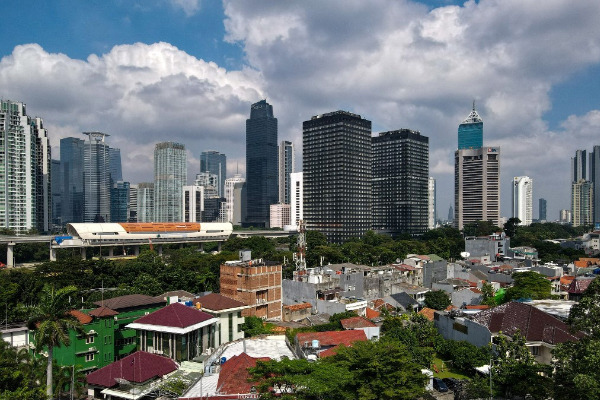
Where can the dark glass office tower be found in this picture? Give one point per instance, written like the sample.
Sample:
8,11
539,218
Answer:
57,189
71,160
400,182
337,175
119,202
215,163
542,210
261,164
114,164
96,178
595,178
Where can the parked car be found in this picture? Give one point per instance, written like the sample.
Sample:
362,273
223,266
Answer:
439,385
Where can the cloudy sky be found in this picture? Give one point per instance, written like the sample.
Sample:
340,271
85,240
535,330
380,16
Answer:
146,71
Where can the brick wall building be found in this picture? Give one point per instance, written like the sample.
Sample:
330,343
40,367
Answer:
256,283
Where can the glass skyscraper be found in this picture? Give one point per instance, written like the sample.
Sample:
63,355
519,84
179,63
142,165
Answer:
96,178
114,164
170,176
261,164
119,202
470,132
215,163
145,202
400,182
71,161
337,175
286,167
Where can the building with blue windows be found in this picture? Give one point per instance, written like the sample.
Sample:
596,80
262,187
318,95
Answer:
470,131
215,163
71,166
119,202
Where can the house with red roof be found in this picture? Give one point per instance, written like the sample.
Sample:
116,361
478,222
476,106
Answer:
371,330
229,313
133,377
311,344
578,286
296,312
176,331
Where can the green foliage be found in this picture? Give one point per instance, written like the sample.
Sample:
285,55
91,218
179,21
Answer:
535,235
20,375
528,285
477,388
515,371
416,332
585,315
510,227
365,371
464,356
254,326
437,299
480,228
488,294
174,387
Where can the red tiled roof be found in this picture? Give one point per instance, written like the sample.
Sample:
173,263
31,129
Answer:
130,300
566,279
217,302
296,307
329,352
534,324
233,378
428,313
81,317
356,322
404,267
137,367
475,290
332,338
103,312
477,307
579,285
175,315
372,313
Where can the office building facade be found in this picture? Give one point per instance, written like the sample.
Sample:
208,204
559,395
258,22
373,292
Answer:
170,175
595,178
476,186
119,202
542,211
114,164
57,188
280,215
235,199
337,168
71,160
25,168
145,202
262,177
193,203
132,203
96,178
215,163
431,201
286,167
582,203
400,182
296,199
470,131
523,199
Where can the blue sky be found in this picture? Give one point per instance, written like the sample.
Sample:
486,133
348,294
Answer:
188,70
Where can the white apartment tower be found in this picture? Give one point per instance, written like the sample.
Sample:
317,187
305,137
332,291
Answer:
25,162
296,202
279,215
286,167
170,175
431,203
234,199
193,203
523,199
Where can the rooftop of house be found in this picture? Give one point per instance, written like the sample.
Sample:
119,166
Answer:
332,338
130,301
428,313
218,302
175,318
233,378
137,367
298,307
181,294
580,285
534,324
102,312
81,317
371,314
356,322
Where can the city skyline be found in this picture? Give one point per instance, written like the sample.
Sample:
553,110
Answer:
210,60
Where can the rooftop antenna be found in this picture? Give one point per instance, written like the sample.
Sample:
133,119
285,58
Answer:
473,104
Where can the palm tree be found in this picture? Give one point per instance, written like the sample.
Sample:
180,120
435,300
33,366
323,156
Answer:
52,322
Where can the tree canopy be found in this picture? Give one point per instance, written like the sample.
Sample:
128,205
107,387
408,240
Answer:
529,285
437,299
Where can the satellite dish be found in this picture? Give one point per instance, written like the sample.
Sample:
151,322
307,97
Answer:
398,260
465,254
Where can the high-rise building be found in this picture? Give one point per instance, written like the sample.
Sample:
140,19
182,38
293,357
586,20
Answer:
119,202
595,178
286,167
132,203
337,168
261,164
170,175
400,182
579,166
523,199
470,131
476,175
71,161
211,201
476,186
96,178
145,202
114,164
582,202
25,162
431,201
280,215
235,199
193,203
542,209
57,188
450,214
215,163
296,199
565,217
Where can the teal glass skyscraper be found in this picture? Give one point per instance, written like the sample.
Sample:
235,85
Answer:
470,131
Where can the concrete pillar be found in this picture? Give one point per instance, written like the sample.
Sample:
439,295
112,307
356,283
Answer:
219,246
111,252
52,254
83,253
136,250
159,248
202,247
10,254
181,245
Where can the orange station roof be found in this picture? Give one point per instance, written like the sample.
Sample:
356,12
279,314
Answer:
160,226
